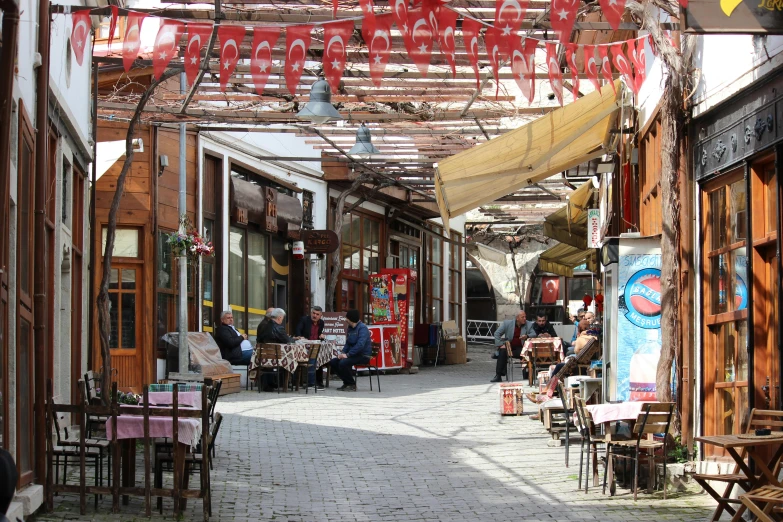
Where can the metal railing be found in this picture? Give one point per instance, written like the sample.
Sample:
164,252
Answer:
482,332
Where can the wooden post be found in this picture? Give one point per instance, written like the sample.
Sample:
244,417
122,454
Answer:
115,494
205,455
82,471
49,449
147,499
178,457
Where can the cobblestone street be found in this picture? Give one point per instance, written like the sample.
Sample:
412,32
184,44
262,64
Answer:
431,446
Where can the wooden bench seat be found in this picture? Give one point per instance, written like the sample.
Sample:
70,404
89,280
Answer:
231,382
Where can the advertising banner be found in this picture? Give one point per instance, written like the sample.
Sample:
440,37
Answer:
638,322
335,326
593,228
381,304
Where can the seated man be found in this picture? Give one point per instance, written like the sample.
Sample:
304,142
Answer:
543,327
516,331
263,324
274,331
356,352
234,346
8,478
311,328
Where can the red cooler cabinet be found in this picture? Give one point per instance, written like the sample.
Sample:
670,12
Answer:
394,301
388,336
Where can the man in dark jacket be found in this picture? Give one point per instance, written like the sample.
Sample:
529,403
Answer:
274,331
543,327
356,352
312,328
8,478
234,346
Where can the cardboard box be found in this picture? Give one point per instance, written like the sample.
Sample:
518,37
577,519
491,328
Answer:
456,351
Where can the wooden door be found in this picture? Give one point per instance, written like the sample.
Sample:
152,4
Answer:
125,298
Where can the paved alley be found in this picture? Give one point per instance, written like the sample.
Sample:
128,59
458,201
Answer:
430,447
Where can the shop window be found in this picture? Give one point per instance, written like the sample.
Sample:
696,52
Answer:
248,279
208,282
126,242
434,282
455,279
123,307
361,253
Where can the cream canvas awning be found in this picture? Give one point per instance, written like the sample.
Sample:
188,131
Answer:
562,259
569,224
553,143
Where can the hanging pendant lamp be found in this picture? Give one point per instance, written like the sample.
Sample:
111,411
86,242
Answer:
319,109
363,146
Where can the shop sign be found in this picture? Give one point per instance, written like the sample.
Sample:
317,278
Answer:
335,326
320,241
593,228
240,215
734,16
270,213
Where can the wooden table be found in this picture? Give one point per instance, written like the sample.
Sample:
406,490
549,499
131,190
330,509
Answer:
731,443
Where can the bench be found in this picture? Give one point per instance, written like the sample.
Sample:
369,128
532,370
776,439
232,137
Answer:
231,383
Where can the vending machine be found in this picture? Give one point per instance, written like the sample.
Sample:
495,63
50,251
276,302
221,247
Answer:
393,301
632,317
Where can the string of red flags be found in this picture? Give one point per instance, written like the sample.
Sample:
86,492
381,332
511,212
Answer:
421,28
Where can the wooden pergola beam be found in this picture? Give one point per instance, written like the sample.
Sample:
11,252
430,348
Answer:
205,62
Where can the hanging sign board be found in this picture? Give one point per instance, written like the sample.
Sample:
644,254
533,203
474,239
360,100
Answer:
593,228
734,16
335,326
320,241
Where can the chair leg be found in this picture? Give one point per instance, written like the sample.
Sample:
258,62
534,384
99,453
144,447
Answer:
378,378
566,439
635,479
607,464
369,375
664,467
581,460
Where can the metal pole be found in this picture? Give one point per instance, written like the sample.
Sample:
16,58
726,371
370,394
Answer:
184,356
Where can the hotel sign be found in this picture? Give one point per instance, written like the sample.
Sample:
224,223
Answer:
320,241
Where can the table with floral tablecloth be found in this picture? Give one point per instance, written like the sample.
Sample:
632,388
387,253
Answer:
292,355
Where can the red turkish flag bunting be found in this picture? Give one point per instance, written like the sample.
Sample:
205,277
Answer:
132,41
613,10
591,67
419,40
230,37
523,58
368,12
198,36
297,43
166,45
431,12
115,14
379,44
400,12
470,36
571,49
562,16
508,19
639,63
264,40
555,74
80,34
622,65
447,22
606,67
492,42
334,8
336,36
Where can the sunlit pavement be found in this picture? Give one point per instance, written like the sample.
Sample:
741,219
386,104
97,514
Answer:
430,446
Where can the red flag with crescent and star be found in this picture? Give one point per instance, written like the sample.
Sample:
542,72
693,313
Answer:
166,45
562,15
555,74
523,59
80,34
613,10
622,65
400,13
606,67
591,66
571,49
470,36
379,44
115,14
230,37
637,55
509,15
297,43
418,40
492,42
368,13
432,13
132,42
550,287
264,40
447,23
198,36
336,36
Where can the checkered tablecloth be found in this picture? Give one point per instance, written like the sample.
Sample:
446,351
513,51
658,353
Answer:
557,345
132,427
180,387
292,355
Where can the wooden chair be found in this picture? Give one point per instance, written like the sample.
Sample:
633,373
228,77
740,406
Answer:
509,362
590,440
376,349
772,496
566,423
542,355
757,419
214,393
304,369
270,353
92,383
654,418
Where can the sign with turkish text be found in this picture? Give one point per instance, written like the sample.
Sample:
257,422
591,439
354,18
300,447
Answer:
335,326
320,241
270,219
593,228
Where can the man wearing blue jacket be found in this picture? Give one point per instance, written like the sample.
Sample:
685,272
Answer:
356,352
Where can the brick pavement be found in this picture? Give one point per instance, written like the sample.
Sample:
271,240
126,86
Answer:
431,446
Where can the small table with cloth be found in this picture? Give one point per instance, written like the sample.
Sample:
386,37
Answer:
292,355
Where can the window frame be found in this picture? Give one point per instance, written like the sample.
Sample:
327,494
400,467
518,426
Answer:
431,264
455,278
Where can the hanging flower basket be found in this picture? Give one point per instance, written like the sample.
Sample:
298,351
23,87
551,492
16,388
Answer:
190,243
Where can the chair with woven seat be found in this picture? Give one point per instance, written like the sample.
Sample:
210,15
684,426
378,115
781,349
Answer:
376,349
590,439
268,358
757,419
542,356
655,418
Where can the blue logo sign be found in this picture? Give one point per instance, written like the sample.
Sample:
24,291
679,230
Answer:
643,298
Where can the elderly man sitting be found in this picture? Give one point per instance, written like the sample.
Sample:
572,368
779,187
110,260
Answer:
275,331
234,346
